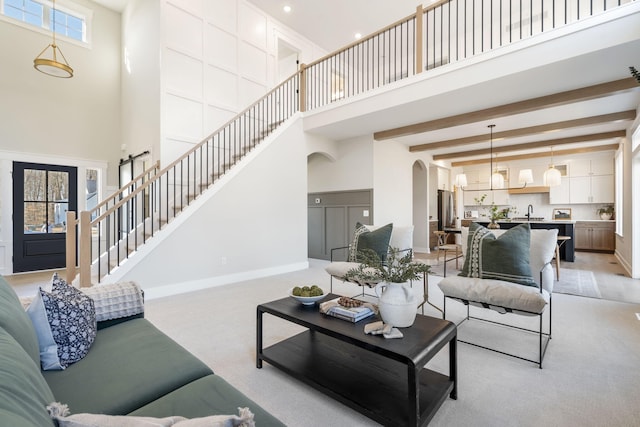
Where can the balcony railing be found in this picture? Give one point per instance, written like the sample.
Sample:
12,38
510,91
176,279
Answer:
442,33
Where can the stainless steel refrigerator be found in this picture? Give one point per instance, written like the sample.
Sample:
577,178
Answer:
445,209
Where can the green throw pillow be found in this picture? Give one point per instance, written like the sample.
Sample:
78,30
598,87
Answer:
376,240
505,258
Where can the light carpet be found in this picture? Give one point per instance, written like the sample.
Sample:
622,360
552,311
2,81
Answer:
590,373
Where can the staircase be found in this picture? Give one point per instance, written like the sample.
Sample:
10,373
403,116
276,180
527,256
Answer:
432,37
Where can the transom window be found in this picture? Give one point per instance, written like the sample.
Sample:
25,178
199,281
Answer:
42,15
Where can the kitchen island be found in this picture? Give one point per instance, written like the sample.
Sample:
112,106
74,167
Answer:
565,228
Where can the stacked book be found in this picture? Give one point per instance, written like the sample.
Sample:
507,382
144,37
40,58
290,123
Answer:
351,314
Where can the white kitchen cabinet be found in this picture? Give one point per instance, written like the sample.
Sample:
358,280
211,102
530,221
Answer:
444,179
580,189
560,195
602,189
591,189
590,181
602,165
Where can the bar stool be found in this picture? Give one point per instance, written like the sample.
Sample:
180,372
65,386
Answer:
561,241
447,247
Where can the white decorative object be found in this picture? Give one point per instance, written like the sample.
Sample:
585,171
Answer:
397,304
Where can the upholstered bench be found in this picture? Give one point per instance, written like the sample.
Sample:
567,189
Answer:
506,271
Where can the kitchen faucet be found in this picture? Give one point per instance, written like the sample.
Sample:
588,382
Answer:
529,212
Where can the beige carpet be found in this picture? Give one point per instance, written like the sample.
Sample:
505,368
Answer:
590,375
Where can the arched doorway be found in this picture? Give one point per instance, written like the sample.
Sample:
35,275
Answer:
420,207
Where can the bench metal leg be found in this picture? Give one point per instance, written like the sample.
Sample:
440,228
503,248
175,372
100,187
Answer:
543,337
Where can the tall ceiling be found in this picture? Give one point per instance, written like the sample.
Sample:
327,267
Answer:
592,121
581,122
332,24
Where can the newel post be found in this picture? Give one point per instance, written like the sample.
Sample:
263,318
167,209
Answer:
419,38
70,246
302,89
85,249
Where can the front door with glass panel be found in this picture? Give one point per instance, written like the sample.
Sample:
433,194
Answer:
42,195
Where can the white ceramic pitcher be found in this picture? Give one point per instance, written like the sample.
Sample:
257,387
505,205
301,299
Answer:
397,303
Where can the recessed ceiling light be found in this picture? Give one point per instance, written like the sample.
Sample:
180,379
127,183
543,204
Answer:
358,36
287,9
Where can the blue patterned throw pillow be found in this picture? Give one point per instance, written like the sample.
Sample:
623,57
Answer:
65,322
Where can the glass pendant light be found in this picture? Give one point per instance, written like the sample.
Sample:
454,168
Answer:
552,176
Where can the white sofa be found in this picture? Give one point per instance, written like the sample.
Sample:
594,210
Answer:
507,297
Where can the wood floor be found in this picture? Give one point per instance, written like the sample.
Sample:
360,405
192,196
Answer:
610,276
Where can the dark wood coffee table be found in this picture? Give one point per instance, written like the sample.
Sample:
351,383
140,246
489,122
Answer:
384,379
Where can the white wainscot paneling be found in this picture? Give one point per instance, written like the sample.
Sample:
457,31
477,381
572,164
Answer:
183,31
193,6
250,92
221,48
183,118
222,13
182,74
253,63
173,149
221,88
216,117
254,26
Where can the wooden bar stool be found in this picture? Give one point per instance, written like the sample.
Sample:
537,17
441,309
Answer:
447,247
561,241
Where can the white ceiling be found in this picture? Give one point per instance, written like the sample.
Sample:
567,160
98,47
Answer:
332,24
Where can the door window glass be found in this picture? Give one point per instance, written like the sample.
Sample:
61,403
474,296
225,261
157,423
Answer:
46,201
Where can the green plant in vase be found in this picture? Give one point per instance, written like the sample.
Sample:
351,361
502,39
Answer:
605,212
396,268
396,300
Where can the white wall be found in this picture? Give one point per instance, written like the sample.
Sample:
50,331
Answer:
262,231
393,182
140,68
77,117
218,57
352,168
361,163
628,245
71,122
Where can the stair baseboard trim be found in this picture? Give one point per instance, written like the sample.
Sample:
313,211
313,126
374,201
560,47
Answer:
212,282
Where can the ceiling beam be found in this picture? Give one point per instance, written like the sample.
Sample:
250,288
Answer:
533,145
532,130
538,155
554,100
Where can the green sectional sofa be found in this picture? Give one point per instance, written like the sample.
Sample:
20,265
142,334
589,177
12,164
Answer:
132,368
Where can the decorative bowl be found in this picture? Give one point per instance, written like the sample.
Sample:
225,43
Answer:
306,300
